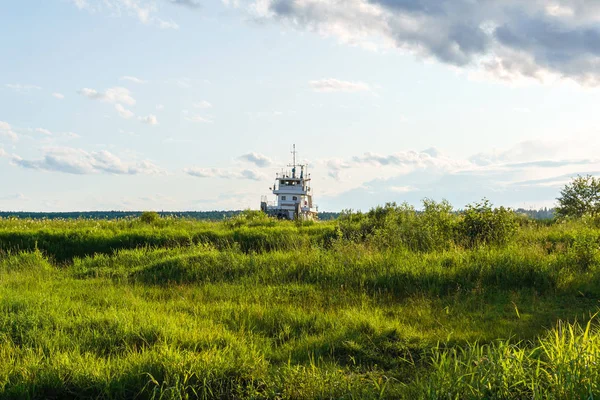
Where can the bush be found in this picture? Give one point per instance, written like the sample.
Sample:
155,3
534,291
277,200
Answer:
482,224
250,218
395,226
584,253
149,217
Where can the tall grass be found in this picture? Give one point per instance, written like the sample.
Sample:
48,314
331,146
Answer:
367,307
562,364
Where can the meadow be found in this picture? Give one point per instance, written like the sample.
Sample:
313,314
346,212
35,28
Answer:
392,303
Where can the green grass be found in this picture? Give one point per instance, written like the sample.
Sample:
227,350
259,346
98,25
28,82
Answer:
266,309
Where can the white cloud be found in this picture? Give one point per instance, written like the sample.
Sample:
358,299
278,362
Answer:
530,150
70,135
183,83
123,112
531,172
44,131
17,87
144,10
198,118
252,175
260,160
559,10
335,167
354,172
3,153
111,95
150,119
335,85
133,79
7,131
162,24
201,172
224,173
77,161
160,107
58,96
419,159
402,189
15,196
81,4
203,104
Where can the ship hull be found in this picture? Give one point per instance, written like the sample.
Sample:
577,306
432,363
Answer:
289,213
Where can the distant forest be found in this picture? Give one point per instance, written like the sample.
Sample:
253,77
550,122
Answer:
199,215
541,214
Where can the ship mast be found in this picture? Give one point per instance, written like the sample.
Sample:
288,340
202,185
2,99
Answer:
294,162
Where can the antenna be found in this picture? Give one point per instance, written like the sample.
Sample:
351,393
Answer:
294,163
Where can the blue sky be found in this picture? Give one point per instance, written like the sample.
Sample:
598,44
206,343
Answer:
194,105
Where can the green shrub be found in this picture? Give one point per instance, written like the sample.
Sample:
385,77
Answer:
393,226
481,224
584,253
149,217
250,218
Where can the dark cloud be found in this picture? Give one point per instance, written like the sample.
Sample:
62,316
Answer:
423,6
186,3
507,38
257,159
559,46
555,41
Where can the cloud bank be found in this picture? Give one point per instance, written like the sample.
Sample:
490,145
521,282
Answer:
77,161
528,174
508,39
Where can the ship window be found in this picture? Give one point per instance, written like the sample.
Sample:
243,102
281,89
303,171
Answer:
295,198
282,197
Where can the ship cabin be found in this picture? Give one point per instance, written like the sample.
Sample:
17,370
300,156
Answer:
293,195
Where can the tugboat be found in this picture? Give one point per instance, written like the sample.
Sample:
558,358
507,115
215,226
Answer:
293,193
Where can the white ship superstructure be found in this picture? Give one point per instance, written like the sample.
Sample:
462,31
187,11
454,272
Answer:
293,194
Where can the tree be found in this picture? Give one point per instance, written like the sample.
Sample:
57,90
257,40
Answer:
579,198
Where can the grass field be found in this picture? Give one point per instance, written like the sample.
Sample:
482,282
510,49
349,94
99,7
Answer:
393,304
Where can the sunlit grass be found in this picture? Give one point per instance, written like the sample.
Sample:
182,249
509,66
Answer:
294,314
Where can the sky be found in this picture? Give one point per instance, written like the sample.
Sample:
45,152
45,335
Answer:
195,104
